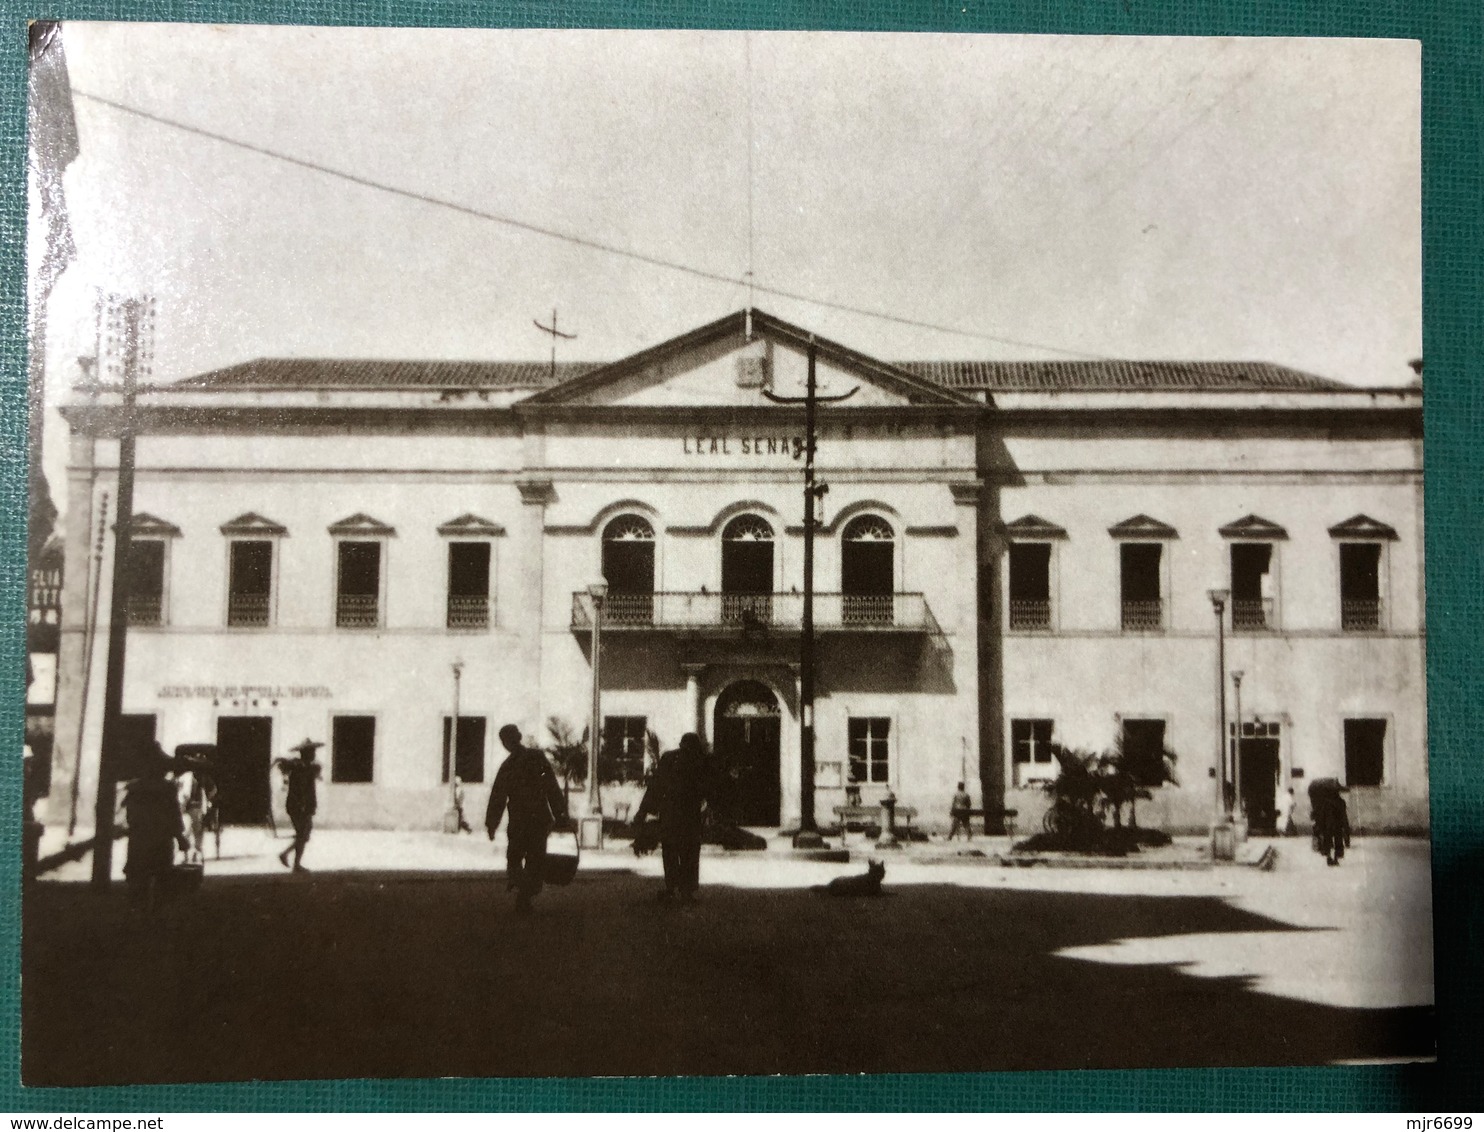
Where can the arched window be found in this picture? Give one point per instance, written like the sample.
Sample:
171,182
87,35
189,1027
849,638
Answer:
868,571
747,571
628,568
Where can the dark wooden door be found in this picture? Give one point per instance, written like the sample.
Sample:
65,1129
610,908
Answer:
1260,783
746,744
244,750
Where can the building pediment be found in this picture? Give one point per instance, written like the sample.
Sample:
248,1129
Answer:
1142,526
252,523
1363,527
361,524
470,525
732,363
1254,527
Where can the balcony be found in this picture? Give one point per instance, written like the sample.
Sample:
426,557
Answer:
146,610
466,612
1143,616
1360,616
357,611
1252,616
707,612
247,611
1030,616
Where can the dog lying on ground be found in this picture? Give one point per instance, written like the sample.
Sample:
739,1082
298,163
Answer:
867,883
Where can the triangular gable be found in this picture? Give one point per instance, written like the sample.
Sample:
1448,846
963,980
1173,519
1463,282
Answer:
1142,526
1363,526
145,525
1034,527
252,523
1253,527
868,370
469,525
361,524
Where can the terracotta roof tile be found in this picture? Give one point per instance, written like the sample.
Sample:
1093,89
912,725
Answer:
992,376
1126,376
368,373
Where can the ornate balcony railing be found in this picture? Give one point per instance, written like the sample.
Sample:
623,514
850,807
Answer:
748,609
1360,616
357,611
1143,616
1030,616
145,610
629,609
1252,616
700,611
466,612
247,611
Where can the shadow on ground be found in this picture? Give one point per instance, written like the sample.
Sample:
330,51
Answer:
368,975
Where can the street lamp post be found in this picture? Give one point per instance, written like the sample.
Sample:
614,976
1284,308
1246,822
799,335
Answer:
1240,809
1223,842
451,819
592,821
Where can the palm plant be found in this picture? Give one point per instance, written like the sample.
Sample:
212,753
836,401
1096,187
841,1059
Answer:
568,752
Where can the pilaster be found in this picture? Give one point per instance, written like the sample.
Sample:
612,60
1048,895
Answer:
536,494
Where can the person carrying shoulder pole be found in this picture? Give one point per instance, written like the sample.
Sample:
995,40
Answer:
301,774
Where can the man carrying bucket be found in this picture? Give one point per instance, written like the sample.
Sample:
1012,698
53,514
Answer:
527,786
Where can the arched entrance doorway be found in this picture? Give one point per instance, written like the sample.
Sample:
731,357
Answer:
746,743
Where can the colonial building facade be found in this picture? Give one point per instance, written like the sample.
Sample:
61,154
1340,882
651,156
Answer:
1008,556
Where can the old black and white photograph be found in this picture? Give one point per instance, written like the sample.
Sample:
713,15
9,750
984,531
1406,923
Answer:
572,553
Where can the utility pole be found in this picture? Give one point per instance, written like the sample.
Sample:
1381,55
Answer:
555,334
129,325
808,836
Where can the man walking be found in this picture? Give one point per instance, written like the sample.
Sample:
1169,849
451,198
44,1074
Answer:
526,785
677,796
300,774
960,810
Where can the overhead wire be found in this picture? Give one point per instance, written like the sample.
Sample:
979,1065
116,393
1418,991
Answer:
578,240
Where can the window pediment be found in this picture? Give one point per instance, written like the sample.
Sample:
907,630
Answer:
251,523
362,524
1034,527
1253,527
145,525
1141,526
470,525
1363,527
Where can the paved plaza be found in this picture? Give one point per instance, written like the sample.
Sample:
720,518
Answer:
400,956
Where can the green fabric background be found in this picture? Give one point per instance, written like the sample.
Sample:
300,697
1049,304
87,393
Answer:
1452,33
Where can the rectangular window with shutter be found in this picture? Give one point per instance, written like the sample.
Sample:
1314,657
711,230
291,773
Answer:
469,763
249,583
358,585
870,749
352,748
468,585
